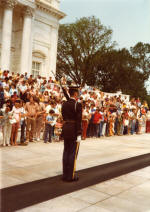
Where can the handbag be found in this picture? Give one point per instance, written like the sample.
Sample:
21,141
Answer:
12,121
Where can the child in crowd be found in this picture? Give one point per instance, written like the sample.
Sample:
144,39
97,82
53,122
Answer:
49,123
58,129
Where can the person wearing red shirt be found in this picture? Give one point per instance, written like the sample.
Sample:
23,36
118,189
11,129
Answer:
96,121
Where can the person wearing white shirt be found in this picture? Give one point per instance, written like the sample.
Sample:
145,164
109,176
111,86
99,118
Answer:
13,90
6,125
23,90
48,108
6,93
15,126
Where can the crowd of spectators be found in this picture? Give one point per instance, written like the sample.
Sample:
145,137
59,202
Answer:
30,111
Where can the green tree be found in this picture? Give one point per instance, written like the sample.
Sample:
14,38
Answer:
79,47
117,70
141,51
86,55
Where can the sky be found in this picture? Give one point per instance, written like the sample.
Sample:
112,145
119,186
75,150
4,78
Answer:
129,19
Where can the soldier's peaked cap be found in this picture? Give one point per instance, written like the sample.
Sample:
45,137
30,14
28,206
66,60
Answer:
74,88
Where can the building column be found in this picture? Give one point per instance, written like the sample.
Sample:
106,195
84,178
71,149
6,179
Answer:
7,33
26,48
53,49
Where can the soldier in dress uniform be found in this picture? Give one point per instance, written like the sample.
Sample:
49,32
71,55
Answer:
71,132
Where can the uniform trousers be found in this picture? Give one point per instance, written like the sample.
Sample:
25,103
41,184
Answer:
71,148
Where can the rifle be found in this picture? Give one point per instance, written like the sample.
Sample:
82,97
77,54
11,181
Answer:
63,89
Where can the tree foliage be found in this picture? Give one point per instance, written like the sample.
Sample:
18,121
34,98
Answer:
141,51
79,47
86,55
117,71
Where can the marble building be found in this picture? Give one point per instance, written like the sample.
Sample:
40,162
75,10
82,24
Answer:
28,35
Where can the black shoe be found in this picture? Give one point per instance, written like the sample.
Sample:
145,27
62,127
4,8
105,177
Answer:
64,179
73,180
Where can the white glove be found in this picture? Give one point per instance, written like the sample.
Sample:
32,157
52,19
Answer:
79,138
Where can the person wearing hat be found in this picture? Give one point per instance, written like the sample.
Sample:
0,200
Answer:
71,133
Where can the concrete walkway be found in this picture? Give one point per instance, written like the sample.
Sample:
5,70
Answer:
128,193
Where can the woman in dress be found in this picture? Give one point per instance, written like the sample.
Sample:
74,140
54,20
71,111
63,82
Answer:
16,111
39,119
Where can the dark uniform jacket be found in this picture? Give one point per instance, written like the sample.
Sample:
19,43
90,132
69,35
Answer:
72,116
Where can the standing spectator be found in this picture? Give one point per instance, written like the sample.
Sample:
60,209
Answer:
13,90
140,120
39,119
119,123
101,122
6,93
85,119
126,124
6,125
143,126
32,109
55,115
90,130
96,121
133,117
1,96
23,91
58,129
111,120
46,97
148,122
22,123
15,126
104,124
49,123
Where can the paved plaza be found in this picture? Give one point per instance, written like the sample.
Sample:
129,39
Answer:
129,193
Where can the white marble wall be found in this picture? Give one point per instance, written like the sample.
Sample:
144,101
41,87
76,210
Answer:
16,41
44,37
53,3
1,19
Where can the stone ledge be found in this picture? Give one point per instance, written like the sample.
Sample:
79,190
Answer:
50,9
